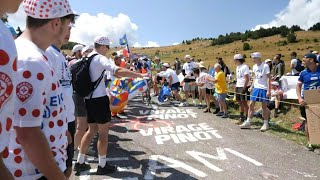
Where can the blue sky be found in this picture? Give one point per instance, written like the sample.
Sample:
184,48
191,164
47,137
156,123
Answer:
170,21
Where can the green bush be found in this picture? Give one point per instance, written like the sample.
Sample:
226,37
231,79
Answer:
246,46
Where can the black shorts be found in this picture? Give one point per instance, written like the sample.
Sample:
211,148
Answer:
271,105
175,86
80,107
240,96
70,148
209,91
98,110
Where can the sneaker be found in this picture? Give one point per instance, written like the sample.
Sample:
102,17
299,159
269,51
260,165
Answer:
207,110
265,127
81,167
216,111
310,147
220,114
245,125
182,104
225,115
107,169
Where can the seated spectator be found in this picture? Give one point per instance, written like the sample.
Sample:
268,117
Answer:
275,99
277,72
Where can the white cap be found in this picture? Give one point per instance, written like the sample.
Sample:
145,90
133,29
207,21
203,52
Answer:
237,57
87,48
315,52
77,48
47,9
275,83
187,56
256,55
102,41
167,65
268,60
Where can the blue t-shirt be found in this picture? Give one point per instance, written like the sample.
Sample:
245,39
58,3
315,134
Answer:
310,80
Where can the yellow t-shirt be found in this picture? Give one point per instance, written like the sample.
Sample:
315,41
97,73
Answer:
221,85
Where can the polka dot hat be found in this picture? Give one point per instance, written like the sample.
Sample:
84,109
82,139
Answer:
102,41
47,9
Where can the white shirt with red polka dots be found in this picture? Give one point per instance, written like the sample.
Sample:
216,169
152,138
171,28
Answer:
8,68
39,103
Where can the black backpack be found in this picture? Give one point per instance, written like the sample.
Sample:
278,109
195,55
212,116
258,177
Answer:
81,80
299,67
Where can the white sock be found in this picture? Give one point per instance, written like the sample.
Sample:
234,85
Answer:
81,158
265,122
248,120
102,161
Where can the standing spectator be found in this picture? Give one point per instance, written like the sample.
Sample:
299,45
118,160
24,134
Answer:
221,90
8,70
97,105
260,90
308,80
189,78
59,64
76,53
278,56
224,67
317,54
211,91
177,66
80,111
277,70
157,67
242,86
40,132
269,63
296,65
86,50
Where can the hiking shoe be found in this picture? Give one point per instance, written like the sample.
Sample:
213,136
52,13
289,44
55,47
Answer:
310,147
81,167
265,127
107,169
216,111
207,110
245,125
225,115
220,114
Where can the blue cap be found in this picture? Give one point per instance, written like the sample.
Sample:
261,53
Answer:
311,56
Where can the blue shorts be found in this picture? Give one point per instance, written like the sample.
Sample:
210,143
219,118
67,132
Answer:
259,95
221,97
175,86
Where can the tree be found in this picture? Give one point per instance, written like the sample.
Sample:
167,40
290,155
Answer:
246,46
292,38
315,27
183,42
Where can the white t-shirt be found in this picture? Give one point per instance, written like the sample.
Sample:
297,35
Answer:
8,73
39,103
260,76
98,64
188,67
294,62
59,63
168,73
108,74
203,79
241,71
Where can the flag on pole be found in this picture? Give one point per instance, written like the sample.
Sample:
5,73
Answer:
124,41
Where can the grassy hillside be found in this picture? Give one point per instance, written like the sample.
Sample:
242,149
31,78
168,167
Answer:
267,46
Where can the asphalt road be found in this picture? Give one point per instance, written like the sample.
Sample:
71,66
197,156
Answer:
168,142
